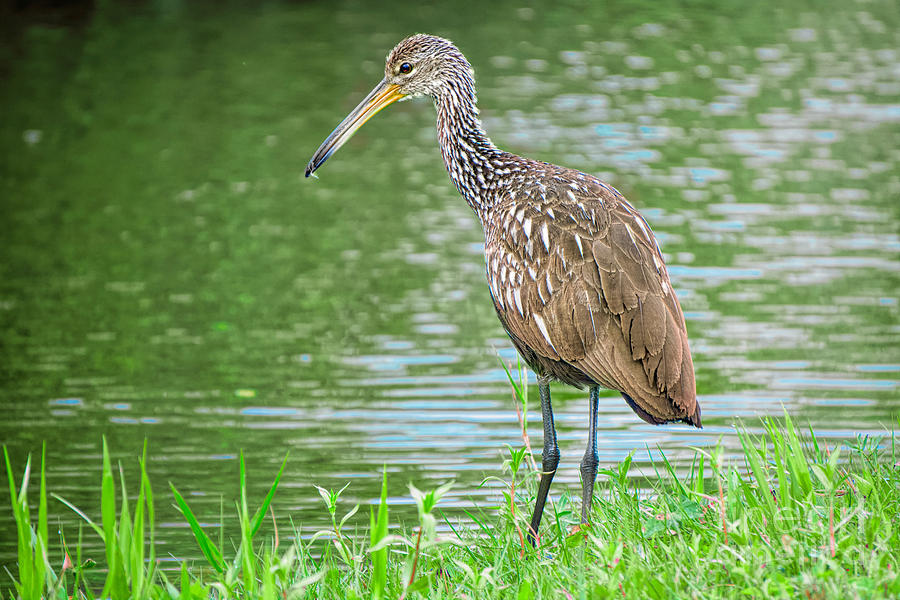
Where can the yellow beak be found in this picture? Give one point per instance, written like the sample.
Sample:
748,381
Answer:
383,95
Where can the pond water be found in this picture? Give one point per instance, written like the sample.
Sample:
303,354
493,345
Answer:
166,272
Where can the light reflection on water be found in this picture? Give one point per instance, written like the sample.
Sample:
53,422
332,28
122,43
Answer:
223,304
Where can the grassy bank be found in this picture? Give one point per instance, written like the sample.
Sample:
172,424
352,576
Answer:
792,518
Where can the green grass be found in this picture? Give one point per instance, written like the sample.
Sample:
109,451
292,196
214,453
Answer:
791,518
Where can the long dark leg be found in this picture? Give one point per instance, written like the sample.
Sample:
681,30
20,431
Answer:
591,459
550,458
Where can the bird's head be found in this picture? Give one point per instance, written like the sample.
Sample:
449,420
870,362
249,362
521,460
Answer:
420,65
426,65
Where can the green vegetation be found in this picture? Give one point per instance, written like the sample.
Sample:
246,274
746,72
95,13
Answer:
792,518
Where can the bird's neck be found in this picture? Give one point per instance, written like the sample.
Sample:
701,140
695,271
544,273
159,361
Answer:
469,154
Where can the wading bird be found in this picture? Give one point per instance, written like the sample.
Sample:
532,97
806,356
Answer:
576,275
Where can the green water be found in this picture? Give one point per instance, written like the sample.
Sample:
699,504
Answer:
167,272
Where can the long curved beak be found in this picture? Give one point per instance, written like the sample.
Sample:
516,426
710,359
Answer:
383,95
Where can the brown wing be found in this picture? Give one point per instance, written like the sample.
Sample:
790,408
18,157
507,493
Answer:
577,277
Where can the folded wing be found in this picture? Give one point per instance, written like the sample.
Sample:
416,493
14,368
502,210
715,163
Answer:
577,276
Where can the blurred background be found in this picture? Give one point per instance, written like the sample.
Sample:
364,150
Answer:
167,273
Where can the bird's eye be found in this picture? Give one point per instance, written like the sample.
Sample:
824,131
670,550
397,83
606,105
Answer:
405,68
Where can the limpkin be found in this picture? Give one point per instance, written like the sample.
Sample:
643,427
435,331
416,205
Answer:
576,275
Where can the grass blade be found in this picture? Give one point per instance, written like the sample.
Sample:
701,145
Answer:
42,501
264,507
41,563
246,548
83,516
136,556
207,547
752,458
377,532
25,585
124,529
116,585
146,498
185,583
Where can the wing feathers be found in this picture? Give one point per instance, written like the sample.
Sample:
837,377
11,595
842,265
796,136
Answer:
595,294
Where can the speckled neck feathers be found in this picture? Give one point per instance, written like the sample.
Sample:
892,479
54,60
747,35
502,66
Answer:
472,160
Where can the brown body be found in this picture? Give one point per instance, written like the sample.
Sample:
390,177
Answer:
575,272
580,285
